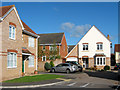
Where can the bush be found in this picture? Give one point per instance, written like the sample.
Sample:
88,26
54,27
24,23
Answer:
51,64
47,66
106,67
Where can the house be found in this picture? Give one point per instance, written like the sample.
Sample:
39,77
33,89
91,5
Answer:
18,42
94,49
117,53
48,45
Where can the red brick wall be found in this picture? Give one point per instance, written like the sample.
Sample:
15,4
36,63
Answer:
63,52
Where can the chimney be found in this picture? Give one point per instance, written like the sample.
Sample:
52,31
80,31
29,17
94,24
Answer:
108,37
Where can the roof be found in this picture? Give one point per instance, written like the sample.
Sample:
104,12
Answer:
70,47
5,9
50,38
117,47
27,28
25,50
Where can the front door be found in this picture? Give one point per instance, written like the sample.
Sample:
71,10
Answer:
85,62
22,65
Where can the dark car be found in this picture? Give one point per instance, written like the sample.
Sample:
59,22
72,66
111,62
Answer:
117,65
64,67
77,64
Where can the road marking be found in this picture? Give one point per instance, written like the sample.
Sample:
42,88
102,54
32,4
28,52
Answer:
64,79
85,85
71,84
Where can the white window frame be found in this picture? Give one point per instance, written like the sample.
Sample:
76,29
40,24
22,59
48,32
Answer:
43,57
99,61
85,47
31,61
14,60
31,41
12,34
100,46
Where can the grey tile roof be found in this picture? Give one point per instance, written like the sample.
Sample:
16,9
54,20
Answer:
50,38
70,47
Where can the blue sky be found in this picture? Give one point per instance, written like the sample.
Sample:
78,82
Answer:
74,18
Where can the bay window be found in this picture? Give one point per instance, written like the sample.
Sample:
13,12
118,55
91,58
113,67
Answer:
99,61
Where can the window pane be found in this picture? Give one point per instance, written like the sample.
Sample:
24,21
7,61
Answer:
13,32
83,47
86,47
97,47
104,61
101,46
44,47
97,61
100,61
9,31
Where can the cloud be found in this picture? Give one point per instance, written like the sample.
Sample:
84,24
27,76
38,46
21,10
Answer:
67,26
75,30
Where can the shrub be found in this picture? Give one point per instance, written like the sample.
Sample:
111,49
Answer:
106,67
58,57
47,66
51,64
102,69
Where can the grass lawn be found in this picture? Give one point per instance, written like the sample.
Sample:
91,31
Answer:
35,78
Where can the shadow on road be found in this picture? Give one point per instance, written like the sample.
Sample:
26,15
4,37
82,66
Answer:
103,74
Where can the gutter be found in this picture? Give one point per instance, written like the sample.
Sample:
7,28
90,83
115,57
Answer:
27,32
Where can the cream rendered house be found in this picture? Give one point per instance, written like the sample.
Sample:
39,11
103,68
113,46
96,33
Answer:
94,49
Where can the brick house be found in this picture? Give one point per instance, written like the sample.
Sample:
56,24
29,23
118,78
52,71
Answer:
117,53
46,43
94,49
18,42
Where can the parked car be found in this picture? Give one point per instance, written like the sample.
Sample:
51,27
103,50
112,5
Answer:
76,63
117,65
65,67
119,74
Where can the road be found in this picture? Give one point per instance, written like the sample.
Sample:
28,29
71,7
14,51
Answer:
88,79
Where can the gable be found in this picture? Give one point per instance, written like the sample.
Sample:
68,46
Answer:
94,34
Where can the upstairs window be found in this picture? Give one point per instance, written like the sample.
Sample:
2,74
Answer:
99,46
52,48
85,46
43,47
12,32
31,42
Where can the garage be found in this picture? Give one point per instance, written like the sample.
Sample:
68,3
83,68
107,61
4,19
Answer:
72,59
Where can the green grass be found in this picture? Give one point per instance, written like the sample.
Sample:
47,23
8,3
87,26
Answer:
35,78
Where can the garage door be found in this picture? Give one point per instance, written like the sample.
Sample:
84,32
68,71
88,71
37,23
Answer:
72,59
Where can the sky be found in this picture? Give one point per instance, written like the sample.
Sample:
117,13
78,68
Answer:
72,18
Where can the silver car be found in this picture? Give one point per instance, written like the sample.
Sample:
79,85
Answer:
64,67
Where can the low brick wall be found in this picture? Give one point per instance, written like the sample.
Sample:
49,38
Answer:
42,63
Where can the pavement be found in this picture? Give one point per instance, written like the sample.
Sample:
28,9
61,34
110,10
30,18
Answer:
86,79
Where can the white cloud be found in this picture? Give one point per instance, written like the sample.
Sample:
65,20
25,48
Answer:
75,30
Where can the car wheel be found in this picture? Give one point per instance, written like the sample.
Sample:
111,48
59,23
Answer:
67,71
80,70
53,70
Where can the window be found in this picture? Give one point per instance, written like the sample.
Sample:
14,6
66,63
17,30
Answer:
12,32
44,47
53,48
43,58
31,42
100,61
85,46
99,46
31,61
12,60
